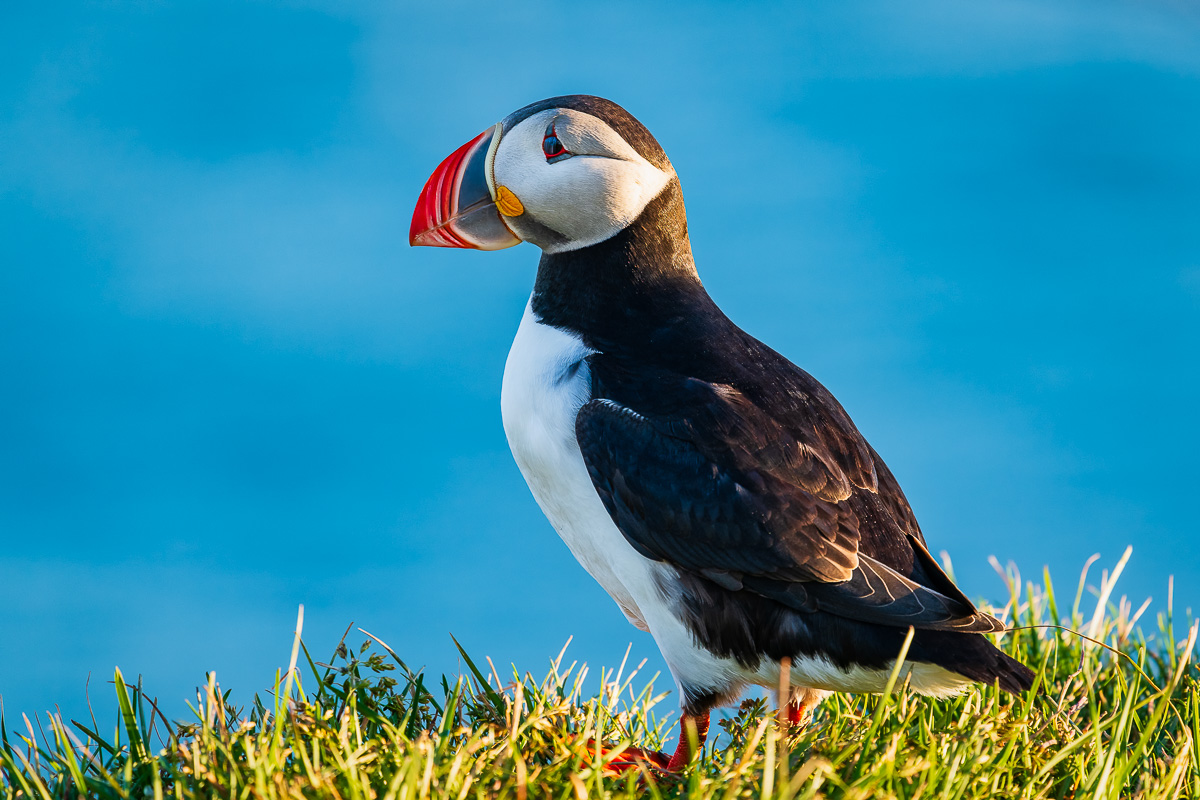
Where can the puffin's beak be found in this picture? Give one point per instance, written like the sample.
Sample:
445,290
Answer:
457,207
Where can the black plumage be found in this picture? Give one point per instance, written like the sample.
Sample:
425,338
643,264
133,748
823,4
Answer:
717,492
716,455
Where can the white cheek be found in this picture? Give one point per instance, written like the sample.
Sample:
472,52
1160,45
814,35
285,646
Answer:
588,199
585,198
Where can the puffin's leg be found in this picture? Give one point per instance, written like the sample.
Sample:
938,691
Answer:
801,705
634,757
683,753
797,711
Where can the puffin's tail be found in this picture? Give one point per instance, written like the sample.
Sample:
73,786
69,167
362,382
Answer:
1012,676
973,656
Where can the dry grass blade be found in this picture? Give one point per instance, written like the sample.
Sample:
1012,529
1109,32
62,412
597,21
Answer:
1119,717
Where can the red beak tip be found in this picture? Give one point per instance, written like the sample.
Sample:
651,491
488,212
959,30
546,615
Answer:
455,208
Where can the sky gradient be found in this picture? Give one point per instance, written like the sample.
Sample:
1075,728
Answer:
228,386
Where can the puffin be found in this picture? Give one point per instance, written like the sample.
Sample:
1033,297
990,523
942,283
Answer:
719,493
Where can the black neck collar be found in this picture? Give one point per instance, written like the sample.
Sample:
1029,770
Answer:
624,290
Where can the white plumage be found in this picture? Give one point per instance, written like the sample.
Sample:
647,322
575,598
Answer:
546,382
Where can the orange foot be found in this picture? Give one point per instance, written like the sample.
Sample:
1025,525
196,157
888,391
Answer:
628,758
632,758
801,706
798,714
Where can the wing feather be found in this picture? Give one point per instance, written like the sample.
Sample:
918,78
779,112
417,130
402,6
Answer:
714,485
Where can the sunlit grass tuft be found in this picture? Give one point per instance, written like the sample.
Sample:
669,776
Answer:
1102,724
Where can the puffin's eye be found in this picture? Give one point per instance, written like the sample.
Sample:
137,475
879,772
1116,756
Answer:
552,147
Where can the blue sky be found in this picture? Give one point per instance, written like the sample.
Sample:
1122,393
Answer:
228,387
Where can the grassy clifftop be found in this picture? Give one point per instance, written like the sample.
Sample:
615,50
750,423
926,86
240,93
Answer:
1104,724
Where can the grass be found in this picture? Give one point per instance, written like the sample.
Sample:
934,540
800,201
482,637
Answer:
1106,723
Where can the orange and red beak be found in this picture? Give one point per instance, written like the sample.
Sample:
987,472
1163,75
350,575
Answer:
457,207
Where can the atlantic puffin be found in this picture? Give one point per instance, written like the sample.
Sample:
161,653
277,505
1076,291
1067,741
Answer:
718,492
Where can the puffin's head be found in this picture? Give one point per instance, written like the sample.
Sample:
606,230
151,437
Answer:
564,173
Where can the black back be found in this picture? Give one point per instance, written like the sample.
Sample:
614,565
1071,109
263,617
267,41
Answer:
718,456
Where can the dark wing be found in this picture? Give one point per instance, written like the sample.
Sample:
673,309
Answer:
709,482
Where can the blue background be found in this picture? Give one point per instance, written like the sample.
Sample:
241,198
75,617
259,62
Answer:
228,386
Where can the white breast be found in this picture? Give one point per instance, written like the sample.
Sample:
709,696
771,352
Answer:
546,381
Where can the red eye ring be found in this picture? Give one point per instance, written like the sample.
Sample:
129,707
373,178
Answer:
552,148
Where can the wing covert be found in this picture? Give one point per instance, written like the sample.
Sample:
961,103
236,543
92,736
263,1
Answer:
720,489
